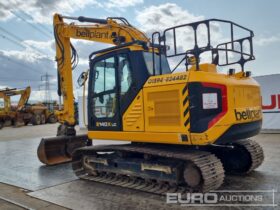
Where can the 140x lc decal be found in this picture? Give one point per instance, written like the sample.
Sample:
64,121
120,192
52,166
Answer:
105,124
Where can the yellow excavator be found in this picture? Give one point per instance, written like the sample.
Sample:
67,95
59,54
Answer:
8,113
185,129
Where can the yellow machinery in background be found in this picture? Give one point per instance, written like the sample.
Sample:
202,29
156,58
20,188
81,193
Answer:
23,113
8,113
37,114
186,129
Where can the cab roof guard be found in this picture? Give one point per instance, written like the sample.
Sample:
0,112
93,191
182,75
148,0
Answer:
225,47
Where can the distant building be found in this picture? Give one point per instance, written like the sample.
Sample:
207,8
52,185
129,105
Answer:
270,88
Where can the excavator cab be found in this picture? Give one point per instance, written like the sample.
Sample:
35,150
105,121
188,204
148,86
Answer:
115,80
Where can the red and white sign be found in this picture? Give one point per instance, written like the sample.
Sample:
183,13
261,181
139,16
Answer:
270,89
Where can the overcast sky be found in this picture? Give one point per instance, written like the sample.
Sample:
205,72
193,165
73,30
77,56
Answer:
27,46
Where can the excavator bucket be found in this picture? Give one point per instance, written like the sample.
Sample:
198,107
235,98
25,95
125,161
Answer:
56,150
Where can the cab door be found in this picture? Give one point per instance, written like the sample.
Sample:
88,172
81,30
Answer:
103,103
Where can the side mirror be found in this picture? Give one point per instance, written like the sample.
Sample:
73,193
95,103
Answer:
82,78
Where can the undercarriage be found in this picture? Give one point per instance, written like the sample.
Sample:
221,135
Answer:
165,168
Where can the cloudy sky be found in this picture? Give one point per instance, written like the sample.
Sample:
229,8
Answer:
27,45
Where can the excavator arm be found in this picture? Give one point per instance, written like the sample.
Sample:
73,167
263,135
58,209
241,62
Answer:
115,31
25,94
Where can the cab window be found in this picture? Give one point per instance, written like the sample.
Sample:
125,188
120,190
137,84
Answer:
148,57
125,76
104,88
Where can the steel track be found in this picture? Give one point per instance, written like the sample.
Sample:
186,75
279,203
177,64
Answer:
256,153
210,166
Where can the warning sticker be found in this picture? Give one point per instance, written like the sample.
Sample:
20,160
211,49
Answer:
210,100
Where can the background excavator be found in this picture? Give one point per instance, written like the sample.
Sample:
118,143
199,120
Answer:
186,129
23,113
11,114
